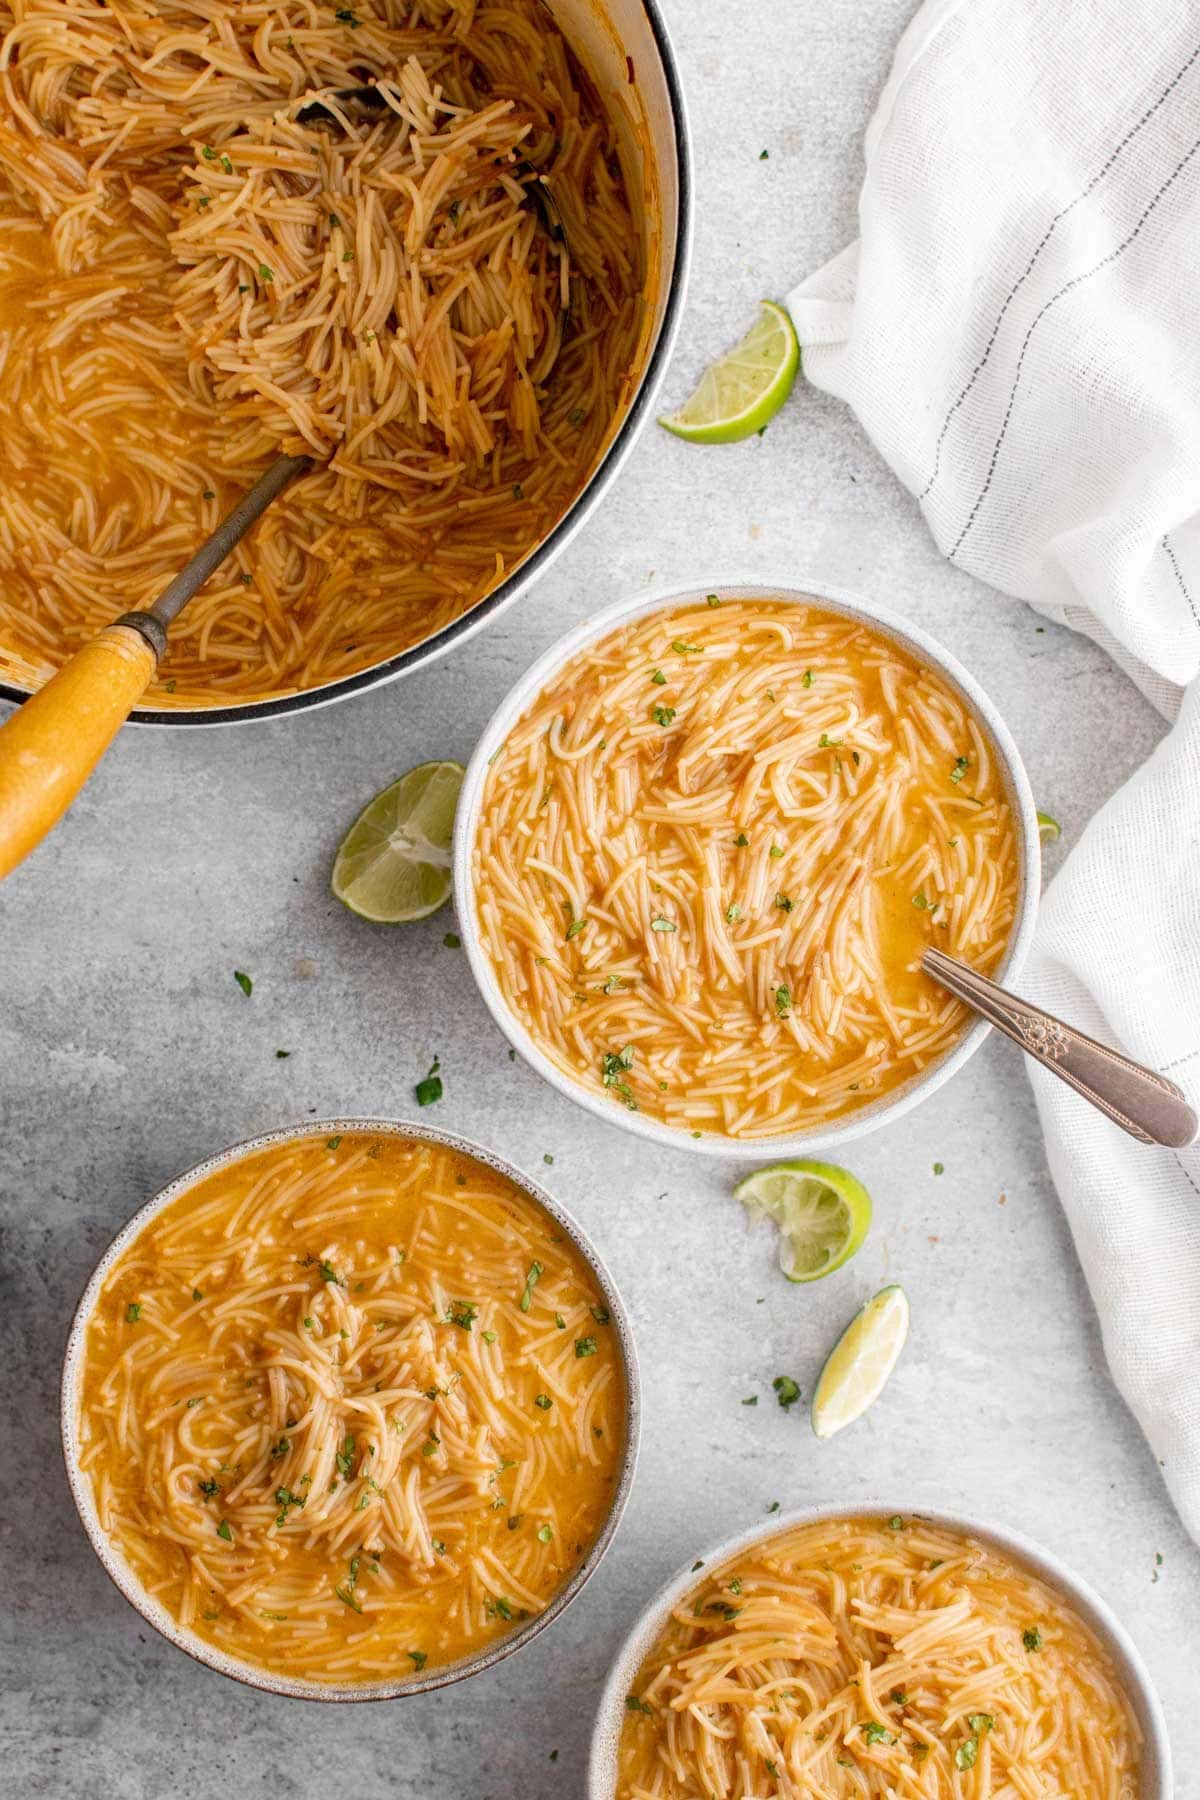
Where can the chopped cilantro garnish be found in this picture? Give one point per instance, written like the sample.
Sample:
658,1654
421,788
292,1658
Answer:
967,1754
585,1346
660,924
662,715
825,742
419,1659
430,1089
133,1312
531,1281
783,1000
223,1531
875,1733
462,1314
543,1401
787,1391
614,1065
635,1704
243,981
1032,1638
783,903
658,678
452,941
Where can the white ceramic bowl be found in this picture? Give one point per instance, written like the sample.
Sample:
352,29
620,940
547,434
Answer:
1155,1773
154,1612
822,1138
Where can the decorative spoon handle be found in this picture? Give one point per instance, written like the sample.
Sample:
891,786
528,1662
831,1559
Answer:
1146,1105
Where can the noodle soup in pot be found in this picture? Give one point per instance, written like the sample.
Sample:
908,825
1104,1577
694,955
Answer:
873,1654
702,850
350,1411
448,294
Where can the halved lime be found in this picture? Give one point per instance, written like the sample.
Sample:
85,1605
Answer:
742,392
394,862
823,1214
1048,827
860,1362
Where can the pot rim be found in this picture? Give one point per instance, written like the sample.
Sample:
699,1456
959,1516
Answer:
120,1572
796,588
556,540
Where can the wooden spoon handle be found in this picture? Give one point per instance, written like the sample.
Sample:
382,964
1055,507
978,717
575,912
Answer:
53,742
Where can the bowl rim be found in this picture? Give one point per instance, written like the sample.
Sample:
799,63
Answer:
1155,1781
797,588
612,460
120,1572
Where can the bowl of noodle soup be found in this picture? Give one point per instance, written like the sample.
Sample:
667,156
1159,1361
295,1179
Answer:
457,296
702,845
350,1411
864,1650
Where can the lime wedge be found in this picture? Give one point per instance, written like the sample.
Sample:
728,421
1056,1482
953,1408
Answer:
394,862
823,1214
1048,827
860,1362
742,392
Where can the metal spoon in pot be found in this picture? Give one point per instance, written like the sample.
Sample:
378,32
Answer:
1147,1106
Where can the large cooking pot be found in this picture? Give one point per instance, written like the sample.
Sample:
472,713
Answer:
623,46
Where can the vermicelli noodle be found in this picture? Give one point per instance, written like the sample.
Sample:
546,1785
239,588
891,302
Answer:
352,1408
862,1657
710,854
207,255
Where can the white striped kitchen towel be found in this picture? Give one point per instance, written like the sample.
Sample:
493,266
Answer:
1018,330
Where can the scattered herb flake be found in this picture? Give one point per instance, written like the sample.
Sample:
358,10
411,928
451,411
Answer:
430,1089
787,1391
244,982
531,1280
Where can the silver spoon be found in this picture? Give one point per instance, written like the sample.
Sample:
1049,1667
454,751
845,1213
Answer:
1147,1106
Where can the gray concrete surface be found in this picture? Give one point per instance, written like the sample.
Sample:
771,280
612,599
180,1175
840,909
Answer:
127,1052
